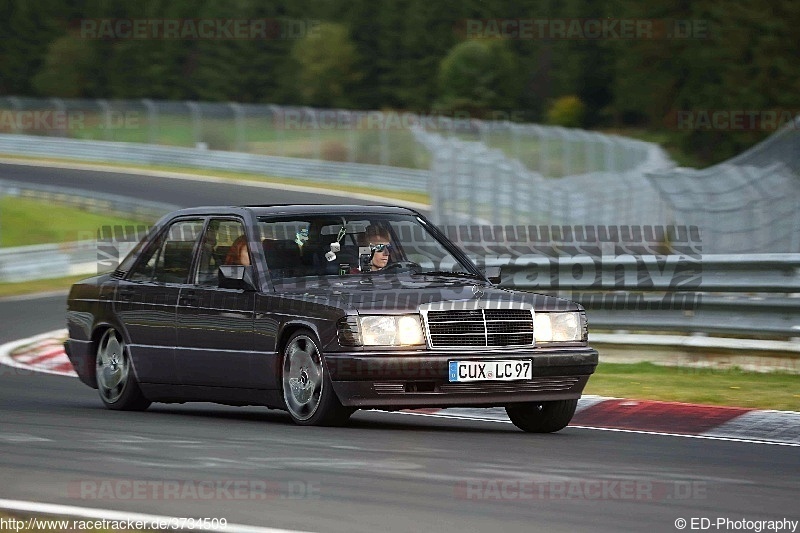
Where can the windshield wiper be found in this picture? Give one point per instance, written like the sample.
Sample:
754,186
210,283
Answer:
447,273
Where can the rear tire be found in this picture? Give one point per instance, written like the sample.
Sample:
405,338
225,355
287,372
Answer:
116,381
542,417
307,390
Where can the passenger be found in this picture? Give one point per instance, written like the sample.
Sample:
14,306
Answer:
379,242
237,253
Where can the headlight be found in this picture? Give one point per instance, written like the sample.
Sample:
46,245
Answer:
388,330
557,327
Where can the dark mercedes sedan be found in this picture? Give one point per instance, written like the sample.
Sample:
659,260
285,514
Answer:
322,310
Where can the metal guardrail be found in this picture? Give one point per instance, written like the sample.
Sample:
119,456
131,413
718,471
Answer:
750,295
728,273
134,208
725,295
47,261
43,261
328,172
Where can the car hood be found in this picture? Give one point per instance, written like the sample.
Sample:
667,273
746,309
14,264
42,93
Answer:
366,295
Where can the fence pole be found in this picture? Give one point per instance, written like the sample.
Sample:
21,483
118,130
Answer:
58,103
384,144
275,112
194,108
316,148
352,145
16,106
238,120
103,104
152,120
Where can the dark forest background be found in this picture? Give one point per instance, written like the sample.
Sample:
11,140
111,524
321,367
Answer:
415,55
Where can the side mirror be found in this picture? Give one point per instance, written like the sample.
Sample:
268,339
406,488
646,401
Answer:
492,273
236,277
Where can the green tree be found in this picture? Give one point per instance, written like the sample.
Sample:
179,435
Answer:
567,111
326,66
68,68
478,76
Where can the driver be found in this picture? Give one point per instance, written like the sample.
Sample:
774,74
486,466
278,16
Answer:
378,240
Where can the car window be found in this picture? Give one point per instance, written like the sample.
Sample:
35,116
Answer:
170,260
329,244
422,248
224,243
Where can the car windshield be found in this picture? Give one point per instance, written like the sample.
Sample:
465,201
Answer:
356,244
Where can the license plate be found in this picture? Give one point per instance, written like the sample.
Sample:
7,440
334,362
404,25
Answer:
504,370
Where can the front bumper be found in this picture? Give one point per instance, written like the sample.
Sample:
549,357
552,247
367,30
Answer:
420,378
81,355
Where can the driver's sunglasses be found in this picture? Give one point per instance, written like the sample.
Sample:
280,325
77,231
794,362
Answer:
381,248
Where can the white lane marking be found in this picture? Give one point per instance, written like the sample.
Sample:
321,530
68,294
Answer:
22,437
7,348
636,431
103,514
220,180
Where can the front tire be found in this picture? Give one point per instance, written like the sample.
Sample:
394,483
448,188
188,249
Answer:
542,417
307,391
116,381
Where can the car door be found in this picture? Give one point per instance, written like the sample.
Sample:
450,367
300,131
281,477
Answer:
214,326
146,300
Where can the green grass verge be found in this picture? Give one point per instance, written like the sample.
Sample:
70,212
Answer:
731,387
389,194
39,285
25,221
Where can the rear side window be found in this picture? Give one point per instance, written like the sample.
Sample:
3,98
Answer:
169,260
223,244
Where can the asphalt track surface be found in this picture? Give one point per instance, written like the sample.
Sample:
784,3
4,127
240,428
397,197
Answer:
384,472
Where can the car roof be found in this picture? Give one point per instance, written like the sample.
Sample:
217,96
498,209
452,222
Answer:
294,209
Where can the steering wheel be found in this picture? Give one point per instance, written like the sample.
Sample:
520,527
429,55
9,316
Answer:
400,265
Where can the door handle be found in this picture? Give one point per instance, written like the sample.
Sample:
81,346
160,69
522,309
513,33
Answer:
188,298
126,295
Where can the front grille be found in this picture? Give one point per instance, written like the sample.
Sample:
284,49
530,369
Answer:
479,327
389,387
